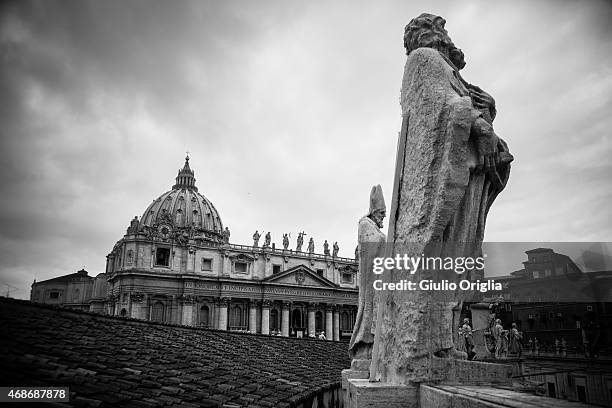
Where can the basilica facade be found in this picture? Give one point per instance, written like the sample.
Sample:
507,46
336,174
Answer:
177,264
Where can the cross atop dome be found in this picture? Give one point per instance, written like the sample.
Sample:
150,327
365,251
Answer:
185,178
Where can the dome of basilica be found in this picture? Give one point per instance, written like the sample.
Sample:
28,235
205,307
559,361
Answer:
181,212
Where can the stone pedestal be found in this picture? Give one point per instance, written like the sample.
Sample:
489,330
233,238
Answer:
347,375
366,394
358,392
464,372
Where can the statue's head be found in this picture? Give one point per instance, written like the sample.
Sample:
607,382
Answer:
427,30
378,209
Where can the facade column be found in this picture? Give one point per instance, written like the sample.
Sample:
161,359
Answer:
223,313
253,316
336,323
285,319
329,323
265,317
139,306
187,311
311,319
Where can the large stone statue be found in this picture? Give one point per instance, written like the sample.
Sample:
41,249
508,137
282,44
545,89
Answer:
226,234
256,237
326,248
371,244
267,239
336,248
285,241
300,241
311,246
450,166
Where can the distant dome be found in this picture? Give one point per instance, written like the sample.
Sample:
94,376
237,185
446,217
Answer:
183,207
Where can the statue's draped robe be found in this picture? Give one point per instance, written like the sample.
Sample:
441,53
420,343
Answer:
371,245
439,207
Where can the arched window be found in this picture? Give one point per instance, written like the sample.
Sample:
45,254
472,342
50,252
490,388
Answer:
204,316
179,217
274,320
123,312
344,321
318,321
157,312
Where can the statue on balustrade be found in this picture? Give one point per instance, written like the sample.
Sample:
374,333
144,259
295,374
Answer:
285,241
226,235
326,248
311,246
256,237
450,167
300,241
267,240
371,243
336,248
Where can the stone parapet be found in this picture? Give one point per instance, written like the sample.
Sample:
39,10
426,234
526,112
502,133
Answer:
448,396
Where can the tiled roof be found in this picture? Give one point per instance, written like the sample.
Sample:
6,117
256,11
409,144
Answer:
111,361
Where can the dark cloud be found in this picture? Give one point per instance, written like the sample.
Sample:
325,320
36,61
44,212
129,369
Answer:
290,110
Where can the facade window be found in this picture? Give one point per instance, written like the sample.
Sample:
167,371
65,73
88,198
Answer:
318,321
547,273
347,278
344,321
536,274
276,269
241,267
53,295
204,315
130,257
207,264
157,312
320,272
274,320
123,312
589,308
162,257
297,319
237,321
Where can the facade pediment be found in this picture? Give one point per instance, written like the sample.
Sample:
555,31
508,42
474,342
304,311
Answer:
301,276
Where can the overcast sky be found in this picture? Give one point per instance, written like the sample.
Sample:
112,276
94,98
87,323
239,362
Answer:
290,111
